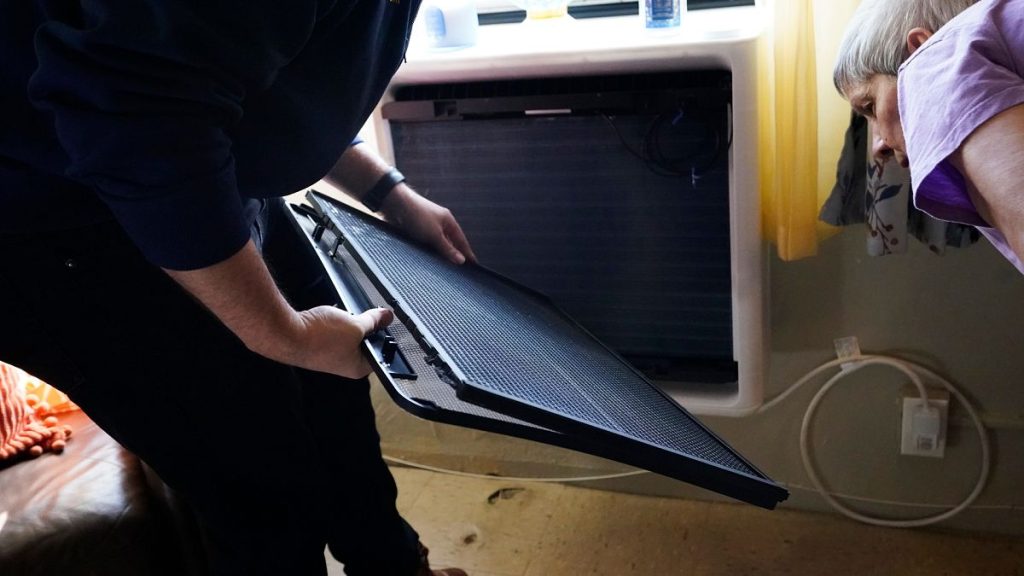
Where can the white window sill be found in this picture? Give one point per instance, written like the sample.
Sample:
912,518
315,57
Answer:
561,45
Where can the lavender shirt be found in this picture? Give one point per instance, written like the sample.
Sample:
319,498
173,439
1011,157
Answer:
967,72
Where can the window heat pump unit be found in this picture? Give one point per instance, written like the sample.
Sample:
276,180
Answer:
616,196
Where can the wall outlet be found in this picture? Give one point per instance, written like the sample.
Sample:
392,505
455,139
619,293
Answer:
923,428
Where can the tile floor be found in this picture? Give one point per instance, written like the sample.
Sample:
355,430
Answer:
501,528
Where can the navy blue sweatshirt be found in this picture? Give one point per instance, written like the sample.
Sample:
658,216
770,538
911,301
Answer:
169,115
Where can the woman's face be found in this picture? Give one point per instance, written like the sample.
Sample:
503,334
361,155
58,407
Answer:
876,101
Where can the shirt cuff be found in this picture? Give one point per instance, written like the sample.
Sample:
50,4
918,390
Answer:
185,230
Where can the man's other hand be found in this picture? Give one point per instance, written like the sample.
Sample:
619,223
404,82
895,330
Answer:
427,222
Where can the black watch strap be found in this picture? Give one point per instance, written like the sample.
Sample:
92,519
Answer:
375,197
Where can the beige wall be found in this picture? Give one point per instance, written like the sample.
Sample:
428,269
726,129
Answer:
960,314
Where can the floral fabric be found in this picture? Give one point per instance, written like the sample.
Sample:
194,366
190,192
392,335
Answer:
878,194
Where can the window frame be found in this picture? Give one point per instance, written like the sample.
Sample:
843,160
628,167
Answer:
504,11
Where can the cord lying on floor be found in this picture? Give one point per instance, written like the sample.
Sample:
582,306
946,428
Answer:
513,478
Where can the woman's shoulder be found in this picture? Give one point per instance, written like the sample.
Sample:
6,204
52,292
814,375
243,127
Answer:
966,73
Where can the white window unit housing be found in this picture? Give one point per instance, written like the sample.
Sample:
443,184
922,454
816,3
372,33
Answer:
614,60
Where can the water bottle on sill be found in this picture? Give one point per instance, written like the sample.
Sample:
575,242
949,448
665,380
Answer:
450,24
662,15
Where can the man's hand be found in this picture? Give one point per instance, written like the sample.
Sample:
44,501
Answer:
330,340
360,167
241,293
427,222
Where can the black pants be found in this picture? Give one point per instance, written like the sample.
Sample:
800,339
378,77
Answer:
276,461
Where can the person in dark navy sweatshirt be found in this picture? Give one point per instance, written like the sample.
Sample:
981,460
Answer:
145,268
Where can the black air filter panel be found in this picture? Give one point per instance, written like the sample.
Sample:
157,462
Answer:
518,365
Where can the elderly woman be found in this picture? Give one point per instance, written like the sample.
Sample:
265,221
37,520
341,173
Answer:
941,84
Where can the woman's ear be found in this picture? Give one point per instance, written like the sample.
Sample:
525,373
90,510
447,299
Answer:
916,37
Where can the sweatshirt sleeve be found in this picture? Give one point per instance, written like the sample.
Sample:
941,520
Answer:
143,94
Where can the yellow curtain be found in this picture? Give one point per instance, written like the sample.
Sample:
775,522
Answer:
801,119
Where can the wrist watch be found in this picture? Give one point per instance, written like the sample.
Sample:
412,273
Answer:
375,197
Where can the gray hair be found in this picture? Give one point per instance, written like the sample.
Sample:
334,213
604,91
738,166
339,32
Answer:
875,41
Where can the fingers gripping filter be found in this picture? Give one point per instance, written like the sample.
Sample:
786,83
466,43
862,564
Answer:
503,358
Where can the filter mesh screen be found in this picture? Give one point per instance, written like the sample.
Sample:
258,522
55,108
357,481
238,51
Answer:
508,342
427,385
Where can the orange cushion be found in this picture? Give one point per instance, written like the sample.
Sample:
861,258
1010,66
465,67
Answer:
28,426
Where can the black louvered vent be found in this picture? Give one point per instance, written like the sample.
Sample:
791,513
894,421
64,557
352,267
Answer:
695,83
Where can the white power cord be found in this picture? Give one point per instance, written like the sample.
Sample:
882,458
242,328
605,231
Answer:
512,478
913,371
